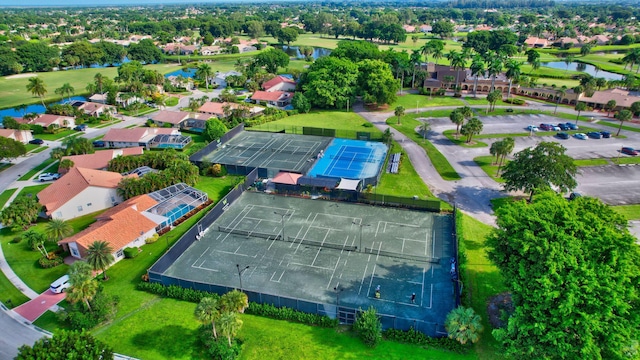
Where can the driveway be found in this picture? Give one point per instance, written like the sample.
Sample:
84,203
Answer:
34,308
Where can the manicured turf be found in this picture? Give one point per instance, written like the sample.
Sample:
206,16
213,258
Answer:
626,160
216,186
462,140
338,120
9,294
406,182
487,163
33,190
591,162
631,212
407,126
36,169
171,101
412,101
57,136
4,197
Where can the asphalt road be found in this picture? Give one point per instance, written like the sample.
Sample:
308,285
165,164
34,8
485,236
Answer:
14,335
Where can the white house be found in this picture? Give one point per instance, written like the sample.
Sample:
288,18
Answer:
23,136
121,138
220,78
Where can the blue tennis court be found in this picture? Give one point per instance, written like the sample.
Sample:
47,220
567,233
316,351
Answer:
350,159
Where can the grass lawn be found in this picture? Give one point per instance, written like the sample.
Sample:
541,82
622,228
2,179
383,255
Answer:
631,212
339,120
407,126
216,186
406,182
435,113
36,169
9,294
4,166
33,190
591,162
57,136
4,197
482,280
13,89
626,160
462,140
171,101
411,101
483,101
40,149
487,164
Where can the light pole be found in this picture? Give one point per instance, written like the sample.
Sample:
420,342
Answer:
283,215
338,291
361,225
240,271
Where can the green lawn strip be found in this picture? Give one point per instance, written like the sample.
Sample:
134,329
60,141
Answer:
406,182
9,294
139,112
57,136
616,126
462,140
36,169
341,121
31,147
33,190
413,101
626,160
40,149
216,186
483,101
487,164
195,138
49,320
97,138
631,212
591,162
131,126
407,127
107,124
482,281
171,101
5,196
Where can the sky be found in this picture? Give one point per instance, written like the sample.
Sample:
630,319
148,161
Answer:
60,3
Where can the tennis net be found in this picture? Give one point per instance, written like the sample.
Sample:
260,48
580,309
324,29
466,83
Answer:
247,233
355,157
402,256
321,244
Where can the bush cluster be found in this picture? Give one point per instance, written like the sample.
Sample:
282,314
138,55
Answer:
368,327
47,263
218,348
152,239
131,252
417,338
175,292
103,308
514,101
285,313
269,116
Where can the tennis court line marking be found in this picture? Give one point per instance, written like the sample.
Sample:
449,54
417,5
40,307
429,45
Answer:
422,291
333,273
364,275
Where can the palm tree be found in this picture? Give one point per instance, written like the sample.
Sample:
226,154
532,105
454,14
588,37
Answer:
438,50
426,50
494,68
580,107
99,256
415,61
234,300
472,127
230,324
458,63
208,311
65,89
568,60
204,72
83,291
99,81
58,229
622,116
463,325
611,104
513,73
37,88
477,69
424,129
399,112
457,118
80,271
560,93
506,147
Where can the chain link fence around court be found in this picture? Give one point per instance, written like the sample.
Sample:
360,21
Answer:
199,156
345,314
398,201
306,130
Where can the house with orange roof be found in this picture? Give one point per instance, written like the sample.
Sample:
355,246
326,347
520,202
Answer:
279,83
125,225
272,98
96,109
47,120
175,118
120,138
536,42
80,192
211,108
100,159
23,136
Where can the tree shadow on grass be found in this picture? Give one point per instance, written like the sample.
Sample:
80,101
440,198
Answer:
172,341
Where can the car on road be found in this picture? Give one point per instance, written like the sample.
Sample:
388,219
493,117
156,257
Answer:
594,135
36,141
99,144
605,134
81,127
572,126
563,135
629,151
563,127
581,136
48,177
532,128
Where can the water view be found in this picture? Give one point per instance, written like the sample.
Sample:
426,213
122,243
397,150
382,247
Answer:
189,73
582,67
35,108
294,51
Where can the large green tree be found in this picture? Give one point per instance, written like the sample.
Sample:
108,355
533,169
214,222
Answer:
145,51
21,213
83,290
11,149
66,345
99,256
230,324
214,129
472,127
58,229
272,59
356,50
572,269
204,72
539,168
208,311
330,82
376,83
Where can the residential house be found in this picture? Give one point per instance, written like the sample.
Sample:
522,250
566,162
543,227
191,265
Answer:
409,28
125,225
220,78
99,98
211,50
279,83
217,109
126,99
100,159
47,120
95,109
80,192
536,42
174,118
23,136
179,49
272,98
426,28
121,138
444,77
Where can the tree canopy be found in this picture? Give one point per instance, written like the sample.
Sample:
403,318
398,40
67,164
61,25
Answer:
572,269
272,59
10,149
356,50
376,83
539,168
66,345
214,129
330,82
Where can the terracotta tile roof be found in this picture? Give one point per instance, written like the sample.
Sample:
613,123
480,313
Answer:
172,117
623,98
136,134
101,158
140,203
121,226
277,80
286,178
268,95
215,107
9,133
73,183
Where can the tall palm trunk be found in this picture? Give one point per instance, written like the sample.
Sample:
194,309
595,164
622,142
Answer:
475,87
493,82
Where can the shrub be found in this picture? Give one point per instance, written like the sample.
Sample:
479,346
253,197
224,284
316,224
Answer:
367,125
515,101
175,292
103,308
285,313
131,252
47,263
368,327
417,338
218,349
16,240
152,239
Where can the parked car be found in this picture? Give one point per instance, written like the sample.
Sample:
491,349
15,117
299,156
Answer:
99,144
574,195
605,134
546,127
532,128
563,135
581,136
563,126
572,126
36,142
48,177
81,127
594,135
629,151
60,285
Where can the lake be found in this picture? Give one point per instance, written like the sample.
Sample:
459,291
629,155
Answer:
35,108
294,51
582,67
189,73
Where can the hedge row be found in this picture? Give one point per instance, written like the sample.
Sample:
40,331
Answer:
417,338
175,292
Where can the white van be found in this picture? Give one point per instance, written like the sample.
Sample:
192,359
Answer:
60,285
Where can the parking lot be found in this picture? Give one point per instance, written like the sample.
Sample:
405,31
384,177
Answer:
613,184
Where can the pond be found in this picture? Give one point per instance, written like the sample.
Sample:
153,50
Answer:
294,51
34,108
98,66
189,73
582,67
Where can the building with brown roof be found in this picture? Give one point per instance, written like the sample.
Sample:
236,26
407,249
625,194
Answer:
444,77
100,159
174,118
80,192
279,83
96,109
23,136
125,225
120,138
536,42
272,98
46,120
